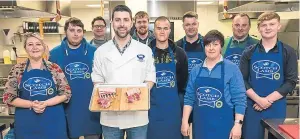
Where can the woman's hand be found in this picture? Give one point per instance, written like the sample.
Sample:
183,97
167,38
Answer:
236,132
185,129
39,106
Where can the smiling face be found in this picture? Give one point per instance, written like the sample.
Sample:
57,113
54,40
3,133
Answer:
141,25
34,48
240,27
99,28
269,28
122,23
190,26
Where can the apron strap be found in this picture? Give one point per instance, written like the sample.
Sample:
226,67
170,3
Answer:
66,47
222,71
169,50
199,41
28,61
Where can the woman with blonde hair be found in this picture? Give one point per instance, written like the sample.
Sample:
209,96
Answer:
37,88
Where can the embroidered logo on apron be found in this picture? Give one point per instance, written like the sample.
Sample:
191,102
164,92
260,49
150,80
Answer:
193,62
78,70
234,58
209,96
266,69
38,86
140,57
165,79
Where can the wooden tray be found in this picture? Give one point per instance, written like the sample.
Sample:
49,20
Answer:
120,103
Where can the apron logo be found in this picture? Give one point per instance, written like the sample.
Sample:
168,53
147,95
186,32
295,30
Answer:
37,86
50,91
140,57
165,79
276,76
266,69
234,58
209,96
78,70
193,62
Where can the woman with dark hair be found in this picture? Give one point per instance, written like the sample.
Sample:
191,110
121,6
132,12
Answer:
216,95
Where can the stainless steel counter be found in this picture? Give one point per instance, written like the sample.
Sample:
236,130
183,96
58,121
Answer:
271,125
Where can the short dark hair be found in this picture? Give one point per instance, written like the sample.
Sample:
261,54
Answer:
162,18
190,14
213,35
98,18
243,15
121,8
74,21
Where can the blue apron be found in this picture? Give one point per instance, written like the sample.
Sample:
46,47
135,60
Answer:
194,58
265,77
78,68
165,112
38,85
234,54
213,118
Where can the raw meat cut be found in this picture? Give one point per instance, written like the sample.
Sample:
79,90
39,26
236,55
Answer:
133,95
106,96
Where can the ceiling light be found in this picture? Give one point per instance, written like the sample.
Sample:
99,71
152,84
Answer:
94,5
204,2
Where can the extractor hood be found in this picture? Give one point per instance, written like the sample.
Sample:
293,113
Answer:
33,9
255,8
174,10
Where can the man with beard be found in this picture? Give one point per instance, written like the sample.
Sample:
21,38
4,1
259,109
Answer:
75,56
235,45
123,60
171,77
142,33
98,28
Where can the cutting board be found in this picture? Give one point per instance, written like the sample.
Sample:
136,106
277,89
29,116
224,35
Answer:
119,102
291,130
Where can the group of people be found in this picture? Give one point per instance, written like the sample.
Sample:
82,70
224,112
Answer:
224,87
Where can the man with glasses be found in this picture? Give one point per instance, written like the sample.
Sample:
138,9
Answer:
75,56
98,28
142,32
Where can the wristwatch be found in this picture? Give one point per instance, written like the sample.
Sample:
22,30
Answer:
238,122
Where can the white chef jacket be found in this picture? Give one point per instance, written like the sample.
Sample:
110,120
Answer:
130,68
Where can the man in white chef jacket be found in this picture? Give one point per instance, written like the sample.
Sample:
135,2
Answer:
124,60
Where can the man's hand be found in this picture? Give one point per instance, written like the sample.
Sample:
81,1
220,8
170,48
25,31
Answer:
257,107
264,103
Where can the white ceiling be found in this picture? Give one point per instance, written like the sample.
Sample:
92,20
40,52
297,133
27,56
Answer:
82,3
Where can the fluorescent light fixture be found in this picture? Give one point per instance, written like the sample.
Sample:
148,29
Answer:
94,5
204,2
